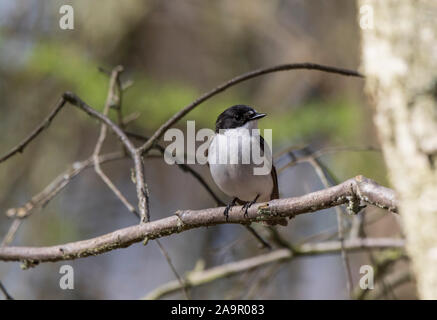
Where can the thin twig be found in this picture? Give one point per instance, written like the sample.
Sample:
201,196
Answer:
327,234
41,199
58,184
263,242
381,265
111,100
5,292
130,118
141,186
263,280
44,125
10,235
173,269
321,172
321,152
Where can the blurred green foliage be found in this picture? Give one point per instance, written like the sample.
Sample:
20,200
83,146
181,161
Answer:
66,63
157,101
337,120
60,228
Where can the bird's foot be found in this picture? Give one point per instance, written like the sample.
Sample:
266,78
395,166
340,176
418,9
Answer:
229,207
247,205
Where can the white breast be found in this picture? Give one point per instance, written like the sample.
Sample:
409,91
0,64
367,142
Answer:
234,174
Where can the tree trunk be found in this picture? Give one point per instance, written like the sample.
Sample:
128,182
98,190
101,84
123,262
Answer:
399,59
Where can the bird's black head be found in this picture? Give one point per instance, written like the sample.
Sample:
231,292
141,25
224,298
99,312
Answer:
236,116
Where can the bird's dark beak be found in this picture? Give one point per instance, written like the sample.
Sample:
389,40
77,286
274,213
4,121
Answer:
257,116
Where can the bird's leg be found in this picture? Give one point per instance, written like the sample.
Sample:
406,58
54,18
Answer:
247,205
229,207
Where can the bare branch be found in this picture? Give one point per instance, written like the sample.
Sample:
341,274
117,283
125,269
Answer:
50,191
41,199
173,269
319,153
262,282
321,172
263,242
113,99
356,189
44,125
9,237
196,278
246,76
141,187
381,264
392,281
5,292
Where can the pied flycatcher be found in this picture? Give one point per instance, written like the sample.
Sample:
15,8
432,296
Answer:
232,164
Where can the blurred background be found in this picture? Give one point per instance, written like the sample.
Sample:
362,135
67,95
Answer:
174,51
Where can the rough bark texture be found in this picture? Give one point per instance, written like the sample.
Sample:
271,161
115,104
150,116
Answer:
400,64
352,192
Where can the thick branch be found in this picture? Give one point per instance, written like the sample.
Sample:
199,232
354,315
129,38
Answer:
352,190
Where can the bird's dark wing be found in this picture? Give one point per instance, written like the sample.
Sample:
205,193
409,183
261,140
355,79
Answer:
275,195
275,191
261,143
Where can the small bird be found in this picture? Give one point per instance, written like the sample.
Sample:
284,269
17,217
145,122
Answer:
234,136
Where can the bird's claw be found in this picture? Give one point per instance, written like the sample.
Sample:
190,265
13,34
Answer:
226,212
229,208
247,205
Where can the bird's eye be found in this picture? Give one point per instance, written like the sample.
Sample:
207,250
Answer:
238,117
